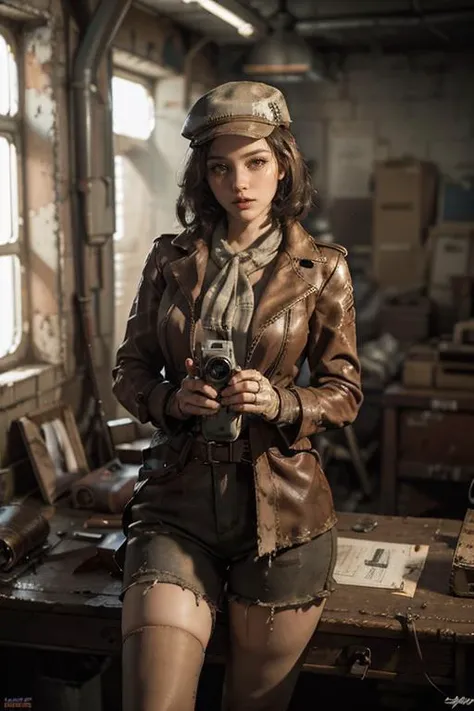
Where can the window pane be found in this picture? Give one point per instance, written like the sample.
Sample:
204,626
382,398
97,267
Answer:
133,110
8,80
119,198
10,314
8,192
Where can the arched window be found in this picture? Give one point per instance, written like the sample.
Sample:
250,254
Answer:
134,193
11,243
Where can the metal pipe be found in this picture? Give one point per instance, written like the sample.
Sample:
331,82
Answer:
99,35
329,24
418,10
95,43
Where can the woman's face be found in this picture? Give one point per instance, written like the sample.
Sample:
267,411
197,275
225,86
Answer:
243,175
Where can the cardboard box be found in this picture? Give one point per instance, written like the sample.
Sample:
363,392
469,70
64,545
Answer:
455,367
404,200
408,322
451,250
391,225
419,367
122,430
399,266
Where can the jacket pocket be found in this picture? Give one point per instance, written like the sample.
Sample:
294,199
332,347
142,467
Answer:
297,467
300,480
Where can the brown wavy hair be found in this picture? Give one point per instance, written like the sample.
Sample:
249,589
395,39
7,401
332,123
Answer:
198,210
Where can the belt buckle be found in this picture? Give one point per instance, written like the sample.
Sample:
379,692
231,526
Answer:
246,457
209,453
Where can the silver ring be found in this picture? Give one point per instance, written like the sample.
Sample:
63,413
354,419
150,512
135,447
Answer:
259,385
256,398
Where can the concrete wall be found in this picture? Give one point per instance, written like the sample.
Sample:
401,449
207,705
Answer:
383,106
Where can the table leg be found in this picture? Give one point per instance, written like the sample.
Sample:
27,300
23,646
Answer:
388,500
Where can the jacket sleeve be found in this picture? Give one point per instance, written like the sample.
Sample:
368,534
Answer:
138,382
334,396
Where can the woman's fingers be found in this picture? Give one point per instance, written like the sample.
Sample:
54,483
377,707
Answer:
196,385
243,375
249,392
239,398
245,386
200,411
194,400
191,370
195,397
247,408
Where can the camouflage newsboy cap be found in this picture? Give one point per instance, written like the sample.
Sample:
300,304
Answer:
242,108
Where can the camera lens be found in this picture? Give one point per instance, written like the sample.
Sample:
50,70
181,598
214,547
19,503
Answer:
218,370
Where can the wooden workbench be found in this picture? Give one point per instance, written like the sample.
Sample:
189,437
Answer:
53,608
438,420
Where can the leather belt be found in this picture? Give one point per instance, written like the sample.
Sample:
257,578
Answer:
221,452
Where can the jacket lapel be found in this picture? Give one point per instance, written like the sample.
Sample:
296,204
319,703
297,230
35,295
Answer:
190,270
296,275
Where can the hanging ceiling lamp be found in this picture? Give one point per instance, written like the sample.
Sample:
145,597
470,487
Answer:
283,55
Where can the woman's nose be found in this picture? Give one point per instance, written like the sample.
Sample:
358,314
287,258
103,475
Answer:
240,180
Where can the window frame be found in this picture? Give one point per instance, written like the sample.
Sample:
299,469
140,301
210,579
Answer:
122,143
12,128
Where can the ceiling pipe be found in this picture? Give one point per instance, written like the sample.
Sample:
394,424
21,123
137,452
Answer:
329,24
99,35
92,49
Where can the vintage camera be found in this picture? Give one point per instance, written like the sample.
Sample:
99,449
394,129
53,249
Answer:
217,367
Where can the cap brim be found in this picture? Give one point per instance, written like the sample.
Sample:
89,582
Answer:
251,129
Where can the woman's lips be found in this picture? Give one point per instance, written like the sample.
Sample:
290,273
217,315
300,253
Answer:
243,204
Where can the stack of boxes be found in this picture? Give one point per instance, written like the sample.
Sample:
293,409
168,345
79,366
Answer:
448,362
404,208
410,252
451,277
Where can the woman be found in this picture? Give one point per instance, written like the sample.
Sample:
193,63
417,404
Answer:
252,519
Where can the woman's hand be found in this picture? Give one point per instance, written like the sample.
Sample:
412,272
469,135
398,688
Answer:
195,397
250,392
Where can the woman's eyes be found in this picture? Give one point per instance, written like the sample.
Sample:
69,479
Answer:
221,168
257,162
218,168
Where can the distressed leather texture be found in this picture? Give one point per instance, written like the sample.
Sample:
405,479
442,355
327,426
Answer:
306,311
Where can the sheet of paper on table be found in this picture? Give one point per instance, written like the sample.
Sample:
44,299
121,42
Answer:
378,564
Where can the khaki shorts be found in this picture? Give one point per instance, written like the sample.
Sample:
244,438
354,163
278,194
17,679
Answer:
197,529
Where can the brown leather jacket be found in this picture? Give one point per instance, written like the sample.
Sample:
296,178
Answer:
305,311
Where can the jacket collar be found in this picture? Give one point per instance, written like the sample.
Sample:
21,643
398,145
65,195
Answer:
292,281
298,243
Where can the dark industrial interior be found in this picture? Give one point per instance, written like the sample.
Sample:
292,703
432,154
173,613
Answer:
93,95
